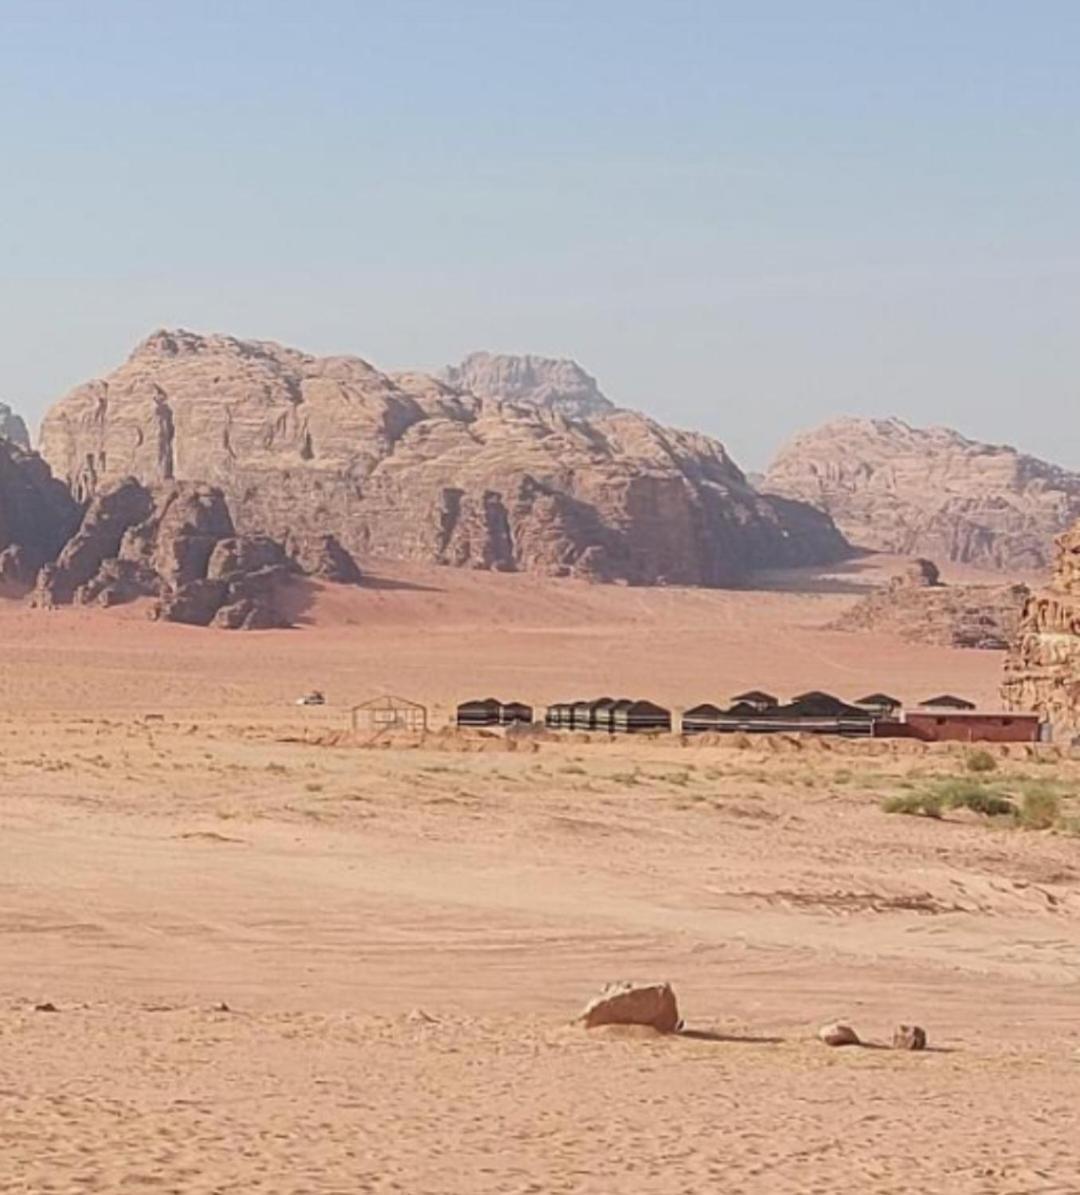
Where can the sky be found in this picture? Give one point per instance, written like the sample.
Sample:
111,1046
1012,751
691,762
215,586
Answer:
744,218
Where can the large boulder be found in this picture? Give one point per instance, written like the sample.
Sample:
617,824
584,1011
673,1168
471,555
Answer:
411,467
323,556
930,492
651,1004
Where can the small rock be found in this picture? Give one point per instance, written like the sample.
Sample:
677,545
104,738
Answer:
221,1006
418,1017
634,1004
838,1034
909,1037
48,1006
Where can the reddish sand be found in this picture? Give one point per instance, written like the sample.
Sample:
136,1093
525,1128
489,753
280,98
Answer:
177,833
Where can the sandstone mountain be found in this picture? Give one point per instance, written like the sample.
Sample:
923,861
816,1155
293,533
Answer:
37,515
1042,670
548,382
12,427
918,608
894,488
416,468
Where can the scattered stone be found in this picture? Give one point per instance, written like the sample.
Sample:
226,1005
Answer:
909,1037
634,1004
221,1006
838,1034
48,1006
418,1017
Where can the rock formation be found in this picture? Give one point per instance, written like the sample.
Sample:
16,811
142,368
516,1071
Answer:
37,515
917,607
13,428
894,488
1042,671
175,542
554,385
414,468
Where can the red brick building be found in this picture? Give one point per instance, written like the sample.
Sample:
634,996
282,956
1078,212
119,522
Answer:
963,726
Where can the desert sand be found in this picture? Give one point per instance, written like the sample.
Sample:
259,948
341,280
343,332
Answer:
284,961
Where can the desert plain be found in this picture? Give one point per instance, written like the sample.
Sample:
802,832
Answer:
243,950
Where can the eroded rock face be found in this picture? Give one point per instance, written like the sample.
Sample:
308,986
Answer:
174,542
929,491
555,385
410,467
37,515
1042,670
13,428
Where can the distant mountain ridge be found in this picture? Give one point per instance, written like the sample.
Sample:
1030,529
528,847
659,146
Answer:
415,467
12,427
930,492
554,384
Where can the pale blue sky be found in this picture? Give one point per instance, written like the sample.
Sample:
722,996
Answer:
742,217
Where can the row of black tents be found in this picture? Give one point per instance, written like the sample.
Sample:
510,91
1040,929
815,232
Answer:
755,712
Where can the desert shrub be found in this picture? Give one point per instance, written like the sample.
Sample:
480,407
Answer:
1040,808
915,804
976,796
981,760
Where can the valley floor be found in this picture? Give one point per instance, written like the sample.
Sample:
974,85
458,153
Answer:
284,963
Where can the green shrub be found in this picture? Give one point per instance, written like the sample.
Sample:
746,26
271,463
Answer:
1041,808
973,795
981,761
917,804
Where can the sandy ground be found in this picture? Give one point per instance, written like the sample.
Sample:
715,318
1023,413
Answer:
239,917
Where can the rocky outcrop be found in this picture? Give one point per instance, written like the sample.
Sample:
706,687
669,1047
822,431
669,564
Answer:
37,515
416,468
1042,670
929,491
174,542
547,382
13,428
918,608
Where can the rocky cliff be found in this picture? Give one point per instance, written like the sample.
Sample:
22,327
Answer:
12,427
37,515
895,488
175,542
547,382
1042,670
412,467
917,607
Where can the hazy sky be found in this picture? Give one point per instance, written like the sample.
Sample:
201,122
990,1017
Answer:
742,217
